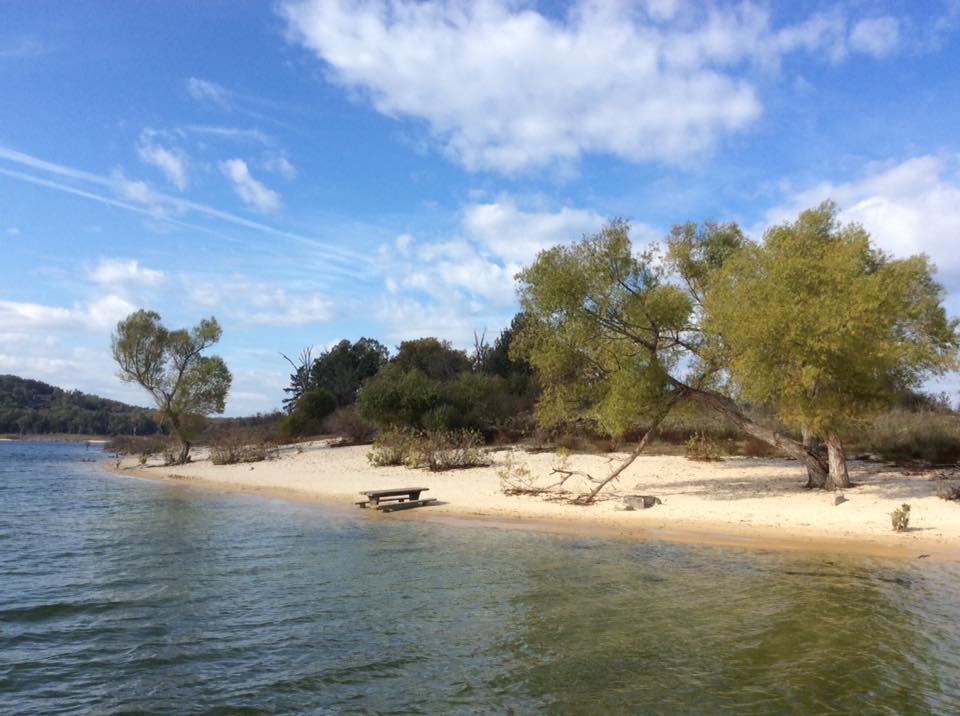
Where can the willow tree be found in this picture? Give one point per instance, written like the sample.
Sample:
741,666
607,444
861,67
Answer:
171,367
612,336
817,323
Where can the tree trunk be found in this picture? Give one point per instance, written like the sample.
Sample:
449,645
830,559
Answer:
589,498
816,469
812,443
184,457
839,477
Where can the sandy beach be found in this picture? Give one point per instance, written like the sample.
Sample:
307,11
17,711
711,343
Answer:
750,501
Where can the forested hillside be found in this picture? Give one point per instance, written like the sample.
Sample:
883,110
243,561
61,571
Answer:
30,407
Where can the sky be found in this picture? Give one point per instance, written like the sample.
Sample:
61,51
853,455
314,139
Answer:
312,170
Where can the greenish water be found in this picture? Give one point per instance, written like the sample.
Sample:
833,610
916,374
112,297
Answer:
124,596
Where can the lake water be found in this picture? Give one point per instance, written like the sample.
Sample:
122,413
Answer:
125,596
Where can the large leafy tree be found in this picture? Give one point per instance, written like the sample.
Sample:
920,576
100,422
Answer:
171,367
339,370
614,338
820,325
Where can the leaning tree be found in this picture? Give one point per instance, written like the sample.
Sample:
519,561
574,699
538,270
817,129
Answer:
621,336
171,367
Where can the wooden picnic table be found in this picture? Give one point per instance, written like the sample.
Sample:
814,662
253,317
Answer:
399,498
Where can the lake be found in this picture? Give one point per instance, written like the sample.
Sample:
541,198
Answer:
120,595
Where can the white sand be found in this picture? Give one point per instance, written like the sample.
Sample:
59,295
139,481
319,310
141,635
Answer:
758,502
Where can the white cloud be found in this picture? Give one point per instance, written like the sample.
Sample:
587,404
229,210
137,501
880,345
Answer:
908,208
12,231
172,162
254,193
205,90
258,303
279,164
877,36
97,316
515,235
504,87
120,271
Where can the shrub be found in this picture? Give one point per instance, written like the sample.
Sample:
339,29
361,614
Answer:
437,450
229,447
308,413
754,447
349,427
391,447
927,437
703,447
949,492
443,450
900,518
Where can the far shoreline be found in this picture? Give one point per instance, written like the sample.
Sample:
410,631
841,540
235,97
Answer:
334,477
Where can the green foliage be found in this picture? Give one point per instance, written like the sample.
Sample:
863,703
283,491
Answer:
704,448
396,397
171,367
29,407
348,427
601,330
308,413
900,518
929,437
342,369
434,358
434,450
820,325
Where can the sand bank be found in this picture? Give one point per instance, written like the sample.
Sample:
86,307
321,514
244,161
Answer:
745,501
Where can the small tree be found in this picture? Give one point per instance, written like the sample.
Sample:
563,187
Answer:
169,365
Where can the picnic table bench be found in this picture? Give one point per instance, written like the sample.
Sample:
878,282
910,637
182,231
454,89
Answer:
401,498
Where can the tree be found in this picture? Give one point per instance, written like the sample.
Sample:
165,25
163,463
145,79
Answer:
308,412
612,337
342,369
169,365
823,327
434,358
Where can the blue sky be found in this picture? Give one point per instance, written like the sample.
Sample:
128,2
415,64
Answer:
313,170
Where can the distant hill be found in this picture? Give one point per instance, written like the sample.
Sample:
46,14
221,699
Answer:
31,407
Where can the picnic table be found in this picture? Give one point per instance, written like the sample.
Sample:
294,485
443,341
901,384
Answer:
399,498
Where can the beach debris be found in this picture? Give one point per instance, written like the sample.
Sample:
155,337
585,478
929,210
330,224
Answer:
640,502
838,498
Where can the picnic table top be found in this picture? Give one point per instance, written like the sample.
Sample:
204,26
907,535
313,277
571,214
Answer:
395,491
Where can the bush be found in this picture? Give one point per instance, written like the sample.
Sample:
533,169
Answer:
703,447
437,450
754,447
229,447
949,492
349,427
443,450
308,413
391,447
928,437
900,518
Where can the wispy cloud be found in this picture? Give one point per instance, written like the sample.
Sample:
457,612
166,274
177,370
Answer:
171,161
138,197
254,193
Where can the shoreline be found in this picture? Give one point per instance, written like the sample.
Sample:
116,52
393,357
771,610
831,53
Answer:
757,515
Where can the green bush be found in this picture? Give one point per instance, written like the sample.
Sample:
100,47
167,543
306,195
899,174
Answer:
308,413
391,447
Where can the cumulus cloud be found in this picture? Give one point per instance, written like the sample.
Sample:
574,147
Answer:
171,162
505,87
254,194
908,207
122,271
99,315
877,36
